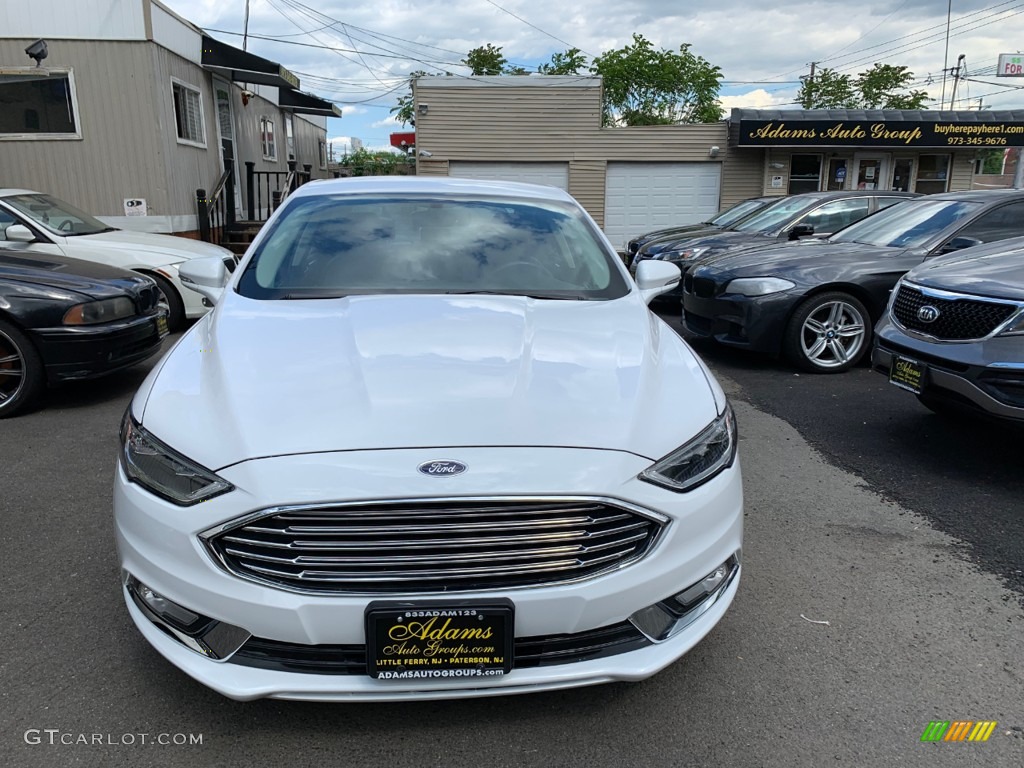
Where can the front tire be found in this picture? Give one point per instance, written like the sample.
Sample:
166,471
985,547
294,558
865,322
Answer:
828,333
22,375
171,301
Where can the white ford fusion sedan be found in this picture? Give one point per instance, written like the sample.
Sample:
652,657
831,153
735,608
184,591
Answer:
430,443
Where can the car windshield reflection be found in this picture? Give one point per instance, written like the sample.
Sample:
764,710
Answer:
337,246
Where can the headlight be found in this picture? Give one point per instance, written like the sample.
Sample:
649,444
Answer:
699,460
100,311
163,471
1016,326
683,254
758,286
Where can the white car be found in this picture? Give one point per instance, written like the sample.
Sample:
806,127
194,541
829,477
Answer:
430,443
34,223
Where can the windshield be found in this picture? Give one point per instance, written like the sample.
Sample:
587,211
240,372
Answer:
906,225
57,216
737,212
776,215
329,246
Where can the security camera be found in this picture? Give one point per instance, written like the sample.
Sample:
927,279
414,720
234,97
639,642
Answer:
424,153
38,51
247,93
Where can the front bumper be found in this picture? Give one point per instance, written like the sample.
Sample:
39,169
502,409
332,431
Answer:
749,322
986,376
159,545
86,352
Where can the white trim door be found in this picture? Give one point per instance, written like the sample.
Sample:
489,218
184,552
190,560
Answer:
641,197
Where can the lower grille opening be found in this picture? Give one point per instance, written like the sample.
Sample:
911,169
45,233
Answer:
530,652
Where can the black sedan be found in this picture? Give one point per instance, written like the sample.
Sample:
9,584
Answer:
812,214
64,319
729,216
814,301
953,333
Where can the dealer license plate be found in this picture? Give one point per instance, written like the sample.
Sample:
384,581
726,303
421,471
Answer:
426,641
907,374
161,325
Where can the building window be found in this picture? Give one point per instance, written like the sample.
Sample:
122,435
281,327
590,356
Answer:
323,155
188,113
932,174
804,173
38,105
267,139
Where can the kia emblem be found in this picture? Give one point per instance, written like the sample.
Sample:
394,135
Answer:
442,468
928,314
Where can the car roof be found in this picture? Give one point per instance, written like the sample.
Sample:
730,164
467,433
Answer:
13,191
425,185
979,195
852,193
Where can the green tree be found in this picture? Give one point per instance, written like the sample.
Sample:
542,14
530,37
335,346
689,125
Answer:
486,60
828,90
363,162
887,86
403,110
884,86
571,62
645,86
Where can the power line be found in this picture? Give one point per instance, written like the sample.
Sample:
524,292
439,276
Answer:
534,26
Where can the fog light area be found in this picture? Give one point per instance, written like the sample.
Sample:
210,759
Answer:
662,620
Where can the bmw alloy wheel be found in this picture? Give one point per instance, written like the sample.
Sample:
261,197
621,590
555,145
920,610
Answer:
828,333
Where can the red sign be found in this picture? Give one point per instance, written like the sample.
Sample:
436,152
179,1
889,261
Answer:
403,140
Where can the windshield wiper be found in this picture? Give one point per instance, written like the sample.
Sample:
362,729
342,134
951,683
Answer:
94,232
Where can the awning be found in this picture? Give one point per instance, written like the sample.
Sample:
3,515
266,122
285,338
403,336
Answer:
241,66
306,103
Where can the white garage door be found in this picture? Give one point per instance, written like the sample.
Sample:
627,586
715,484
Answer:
640,197
551,174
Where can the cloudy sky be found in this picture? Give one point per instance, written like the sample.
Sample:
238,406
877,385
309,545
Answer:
358,55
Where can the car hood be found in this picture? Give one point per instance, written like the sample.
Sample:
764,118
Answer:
97,281
656,242
721,240
169,249
262,378
782,258
999,275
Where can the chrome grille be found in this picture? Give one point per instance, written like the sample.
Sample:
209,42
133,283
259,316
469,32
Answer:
434,546
959,319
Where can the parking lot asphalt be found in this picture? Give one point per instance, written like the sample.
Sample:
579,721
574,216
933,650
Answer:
874,600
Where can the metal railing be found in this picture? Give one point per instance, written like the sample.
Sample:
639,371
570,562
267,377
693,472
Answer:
216,211
265,190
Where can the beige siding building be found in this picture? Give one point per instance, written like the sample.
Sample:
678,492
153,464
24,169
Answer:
631,180
134,109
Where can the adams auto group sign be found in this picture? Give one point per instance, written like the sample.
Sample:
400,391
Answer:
872,133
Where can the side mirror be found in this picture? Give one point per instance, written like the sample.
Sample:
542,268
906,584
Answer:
801,230
207,276
654,278
19,233
959,243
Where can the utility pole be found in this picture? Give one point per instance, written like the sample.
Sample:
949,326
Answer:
945,58
810,87
956,78
245,28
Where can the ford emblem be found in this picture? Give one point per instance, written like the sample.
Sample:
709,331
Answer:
927,314
442,468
